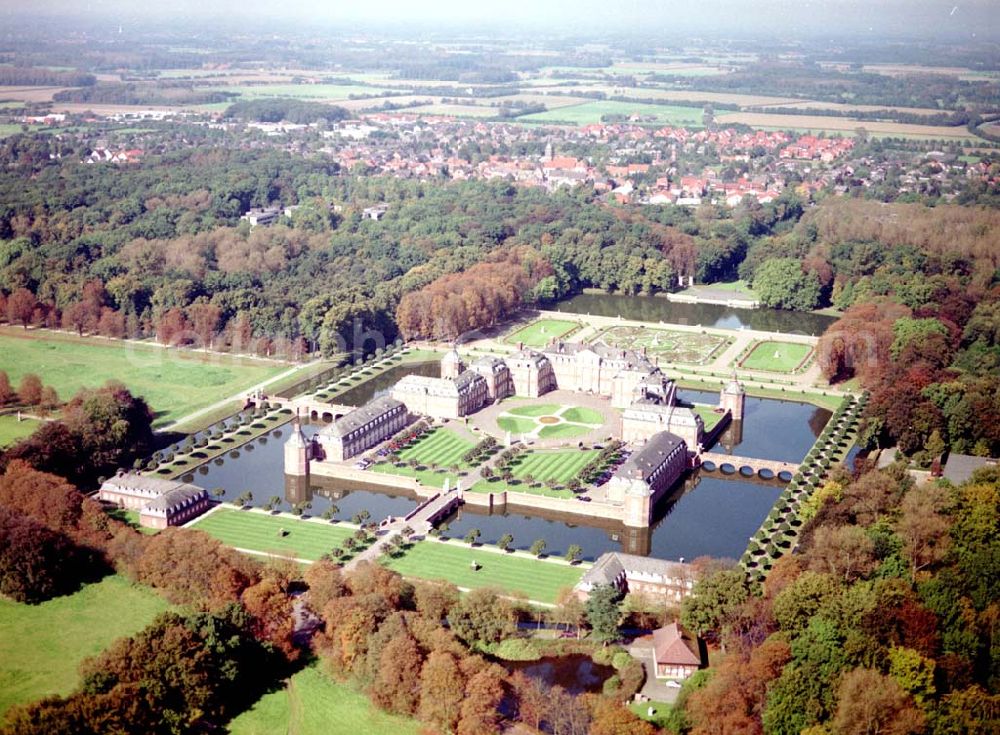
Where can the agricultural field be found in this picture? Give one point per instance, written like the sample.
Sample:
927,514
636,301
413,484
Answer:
311,703
174,383
11,429
550,421
776,357
263,533
542,331
669,345
451,110
301,91
593,112
42,645
843,125
536,579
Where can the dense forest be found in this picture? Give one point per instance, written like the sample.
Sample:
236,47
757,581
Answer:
883,621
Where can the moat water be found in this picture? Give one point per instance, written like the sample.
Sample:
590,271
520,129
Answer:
575,673
706,514
657,309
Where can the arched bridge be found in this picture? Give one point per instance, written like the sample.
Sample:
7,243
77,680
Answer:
306,406
747,466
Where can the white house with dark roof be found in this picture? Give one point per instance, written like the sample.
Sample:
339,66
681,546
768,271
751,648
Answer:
363,428
676,653
160,502
655,578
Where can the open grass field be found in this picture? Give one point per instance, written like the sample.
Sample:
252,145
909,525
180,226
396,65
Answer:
550,420
41,646
451,110
542,331
669,345
560,465
441,447
844,125
592,112
259,532
311,703
173,383
536,579
776,357
427,477
661,712
11,429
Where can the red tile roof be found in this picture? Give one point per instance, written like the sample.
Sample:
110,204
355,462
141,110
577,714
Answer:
673,646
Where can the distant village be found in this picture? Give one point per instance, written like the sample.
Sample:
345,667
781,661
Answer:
628,162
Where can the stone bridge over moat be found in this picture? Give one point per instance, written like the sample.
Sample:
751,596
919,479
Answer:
716,461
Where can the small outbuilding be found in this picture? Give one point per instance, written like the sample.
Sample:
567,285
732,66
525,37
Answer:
676,653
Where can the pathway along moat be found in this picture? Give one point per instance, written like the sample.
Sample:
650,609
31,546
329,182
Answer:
707,514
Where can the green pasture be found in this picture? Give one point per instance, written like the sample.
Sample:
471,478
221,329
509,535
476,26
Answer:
41,646
11,429
173,382
428,477
560,465
669,345
311,703
542,331
776,357
536,579
259,532
592,112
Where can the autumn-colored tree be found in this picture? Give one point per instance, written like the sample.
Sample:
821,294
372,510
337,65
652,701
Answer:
6,391
77,317
30,389
923,527
434,600
204,318
480,713
374,579
845,552
869,702
483,616
21,307
111,323
172,327
270,608
611,718
325,583
397,685
442,689
49,400
569,610
532,697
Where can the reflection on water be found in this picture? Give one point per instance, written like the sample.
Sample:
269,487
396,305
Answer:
575,673
382,383
657,309
706,514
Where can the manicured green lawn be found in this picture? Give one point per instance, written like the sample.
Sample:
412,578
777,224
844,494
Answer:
260,532
776,357
496,485
560,465
314,704
708,416
515,425
539,333
583,415
441,447
537,579
545,409
11,429
41,646
562,431
661,711
173,382
427,477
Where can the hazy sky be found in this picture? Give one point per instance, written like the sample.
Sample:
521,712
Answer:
944,18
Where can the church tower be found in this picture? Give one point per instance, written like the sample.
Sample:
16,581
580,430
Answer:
733,398
452,365
298,451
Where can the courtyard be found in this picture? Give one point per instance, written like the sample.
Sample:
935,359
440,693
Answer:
551,420
664,344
